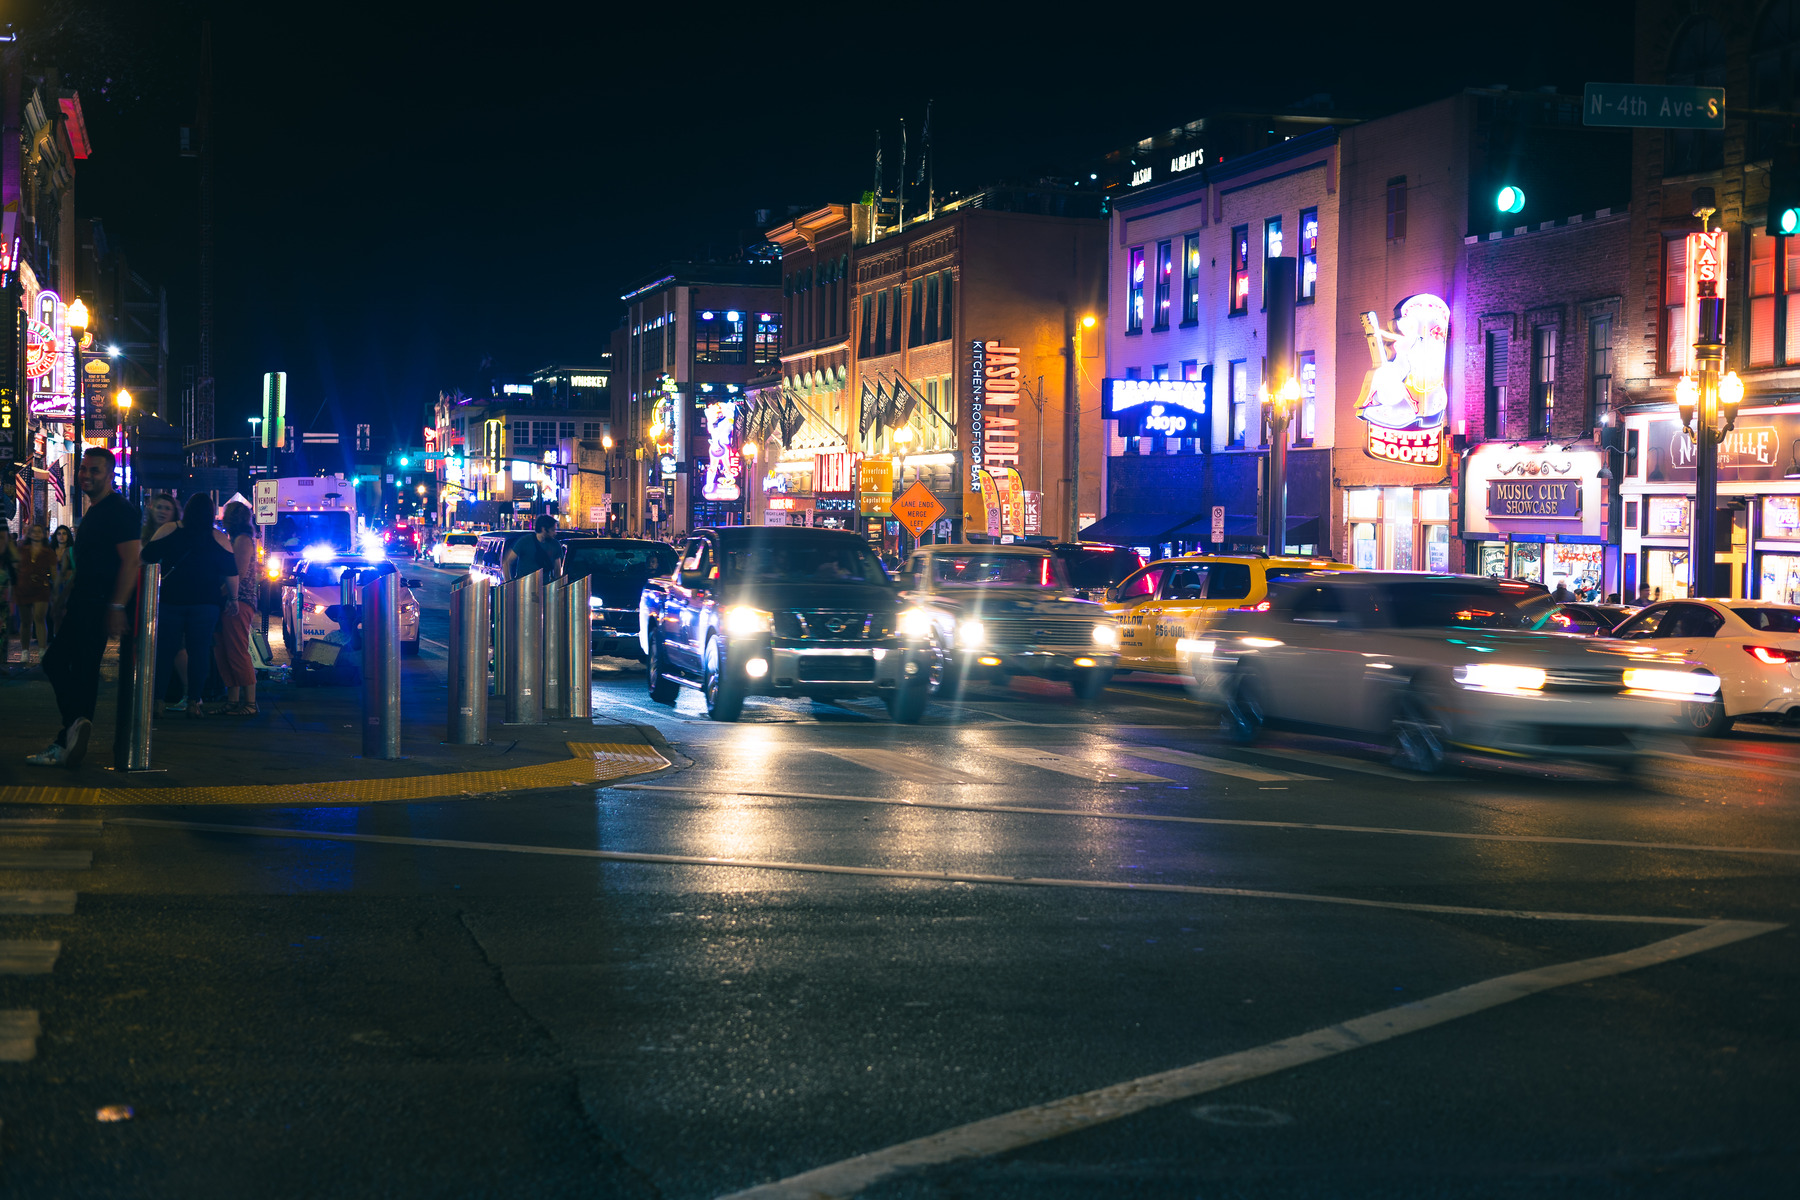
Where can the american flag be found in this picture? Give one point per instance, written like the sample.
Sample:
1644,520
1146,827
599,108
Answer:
56,483
23,487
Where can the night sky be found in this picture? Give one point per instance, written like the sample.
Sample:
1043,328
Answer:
403,191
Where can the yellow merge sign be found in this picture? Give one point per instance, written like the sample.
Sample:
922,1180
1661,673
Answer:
917,508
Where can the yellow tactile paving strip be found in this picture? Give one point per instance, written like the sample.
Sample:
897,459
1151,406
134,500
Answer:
593,762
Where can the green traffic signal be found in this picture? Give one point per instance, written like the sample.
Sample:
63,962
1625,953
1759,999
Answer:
1510,200
1789,220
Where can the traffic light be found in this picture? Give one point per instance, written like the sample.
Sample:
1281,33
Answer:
1510,199
1784,193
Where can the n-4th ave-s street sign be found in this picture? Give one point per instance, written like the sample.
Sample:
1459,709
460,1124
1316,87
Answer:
1653,106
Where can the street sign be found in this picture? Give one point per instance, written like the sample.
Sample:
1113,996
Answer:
265,501
917,508
1652,106
1218,523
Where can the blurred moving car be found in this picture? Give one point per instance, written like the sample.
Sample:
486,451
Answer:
1574,616
1753,646
1429,663
401,541
310,596
617,570
997,611
1175,598
1095,566
455,549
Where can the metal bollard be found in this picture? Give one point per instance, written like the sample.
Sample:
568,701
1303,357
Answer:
523,636
347,614
497,633
578,678
556,640
143,681
468,662
381,667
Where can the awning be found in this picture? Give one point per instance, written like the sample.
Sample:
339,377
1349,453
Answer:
1135,529
1239,527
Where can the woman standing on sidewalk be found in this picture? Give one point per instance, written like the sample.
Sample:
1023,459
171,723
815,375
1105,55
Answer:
158,511
232,648
36,577
9,573
63,542
199,578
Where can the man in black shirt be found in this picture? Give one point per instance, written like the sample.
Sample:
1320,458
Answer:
534,553
106,567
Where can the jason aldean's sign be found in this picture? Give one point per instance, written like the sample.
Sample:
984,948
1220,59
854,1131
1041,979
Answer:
993,409
1403,401
1544,498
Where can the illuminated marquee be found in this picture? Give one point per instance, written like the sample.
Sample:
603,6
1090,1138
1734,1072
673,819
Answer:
1404,403
993,409
723,467
1164,407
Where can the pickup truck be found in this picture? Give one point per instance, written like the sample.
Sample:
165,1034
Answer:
775,611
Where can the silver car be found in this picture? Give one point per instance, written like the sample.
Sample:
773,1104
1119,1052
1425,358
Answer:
1428,663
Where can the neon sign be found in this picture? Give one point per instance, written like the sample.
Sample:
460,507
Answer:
1706,265
723,467
1403,402
993,409
1167,407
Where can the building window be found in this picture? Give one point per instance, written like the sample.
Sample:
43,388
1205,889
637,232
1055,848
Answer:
868,327
1305,423
1271,249
768,338
1499,346
932,333
916,327
1239,403
1165,281
945,327
1159,371
1396,208
1698,60
1190,279
1674,302
1309,254
719,337
669,342
1600,356
1763,300
565,431
1190,370
1774,74
590,431
1543,380
1134,283
881,322
1240,270
545,432
895,293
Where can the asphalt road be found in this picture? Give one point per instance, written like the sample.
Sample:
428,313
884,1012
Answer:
943,929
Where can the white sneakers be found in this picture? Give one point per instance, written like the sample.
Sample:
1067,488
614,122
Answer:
58,755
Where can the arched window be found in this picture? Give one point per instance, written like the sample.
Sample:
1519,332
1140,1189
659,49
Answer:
1698,60
1775,74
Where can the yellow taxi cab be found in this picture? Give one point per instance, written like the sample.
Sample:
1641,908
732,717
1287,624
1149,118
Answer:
1174,598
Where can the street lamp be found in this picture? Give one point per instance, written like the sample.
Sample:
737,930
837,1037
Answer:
1282,405
1707,404
122,401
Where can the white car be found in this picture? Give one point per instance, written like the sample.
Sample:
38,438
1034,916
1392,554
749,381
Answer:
310,597
456,549
1753,646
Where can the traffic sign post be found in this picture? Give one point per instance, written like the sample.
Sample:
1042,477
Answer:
266,494
1652,106
1218,524
916,509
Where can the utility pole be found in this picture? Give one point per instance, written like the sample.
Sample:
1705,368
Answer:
1280,390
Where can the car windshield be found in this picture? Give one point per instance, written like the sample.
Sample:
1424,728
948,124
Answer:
326,574
1450,605
633,561
1771,620
800,560
998,570
1099,568
299,530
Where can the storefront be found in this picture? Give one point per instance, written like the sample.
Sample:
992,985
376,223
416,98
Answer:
1536,511
1758,517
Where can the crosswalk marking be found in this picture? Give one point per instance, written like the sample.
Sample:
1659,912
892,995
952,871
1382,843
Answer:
1080,768
45,860
907,766
1334,760
19,1031
28,958
36,904
1219,766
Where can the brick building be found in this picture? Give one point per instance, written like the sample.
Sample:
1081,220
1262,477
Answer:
1753,51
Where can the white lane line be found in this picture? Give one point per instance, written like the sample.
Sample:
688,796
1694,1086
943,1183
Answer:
1320,759
752,864
46,825
434,643
906,766
28,958
1200,762
36,904
45,860
1041,1122
1080,768
1080,814
19,1031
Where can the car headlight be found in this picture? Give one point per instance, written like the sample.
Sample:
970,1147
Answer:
1501,677
915,623
273,570
1105,635
594,603
744,621
971,634
1687,683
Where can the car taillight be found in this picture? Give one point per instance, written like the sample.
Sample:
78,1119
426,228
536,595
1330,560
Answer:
1261,607
1565,621
1773,656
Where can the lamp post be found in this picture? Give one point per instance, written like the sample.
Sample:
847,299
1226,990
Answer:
122,401
1282,405
77,318
606,444
1708,407
1072,416
1280,281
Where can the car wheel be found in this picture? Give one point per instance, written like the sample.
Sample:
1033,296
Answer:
906,703
1705,719
410,649
1420,735
945,680
724,695
1087,685
1244,716
663,690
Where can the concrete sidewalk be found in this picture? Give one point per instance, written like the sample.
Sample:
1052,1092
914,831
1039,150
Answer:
304,746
